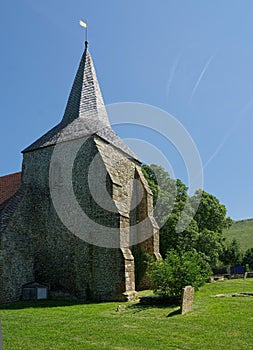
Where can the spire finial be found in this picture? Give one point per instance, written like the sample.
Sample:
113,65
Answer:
84,25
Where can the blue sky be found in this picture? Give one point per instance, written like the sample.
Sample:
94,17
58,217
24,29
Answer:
193,59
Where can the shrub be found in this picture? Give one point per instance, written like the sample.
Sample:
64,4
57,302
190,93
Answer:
176,271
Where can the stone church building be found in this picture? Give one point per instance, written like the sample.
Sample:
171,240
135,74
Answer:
78,218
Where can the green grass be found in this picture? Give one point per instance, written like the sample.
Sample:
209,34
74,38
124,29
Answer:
223,323
242,231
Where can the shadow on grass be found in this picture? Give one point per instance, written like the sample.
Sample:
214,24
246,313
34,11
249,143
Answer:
136,308
175,312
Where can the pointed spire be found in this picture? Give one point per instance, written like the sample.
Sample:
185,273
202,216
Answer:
85,100
85,112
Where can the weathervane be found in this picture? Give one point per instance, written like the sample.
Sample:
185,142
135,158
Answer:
84,25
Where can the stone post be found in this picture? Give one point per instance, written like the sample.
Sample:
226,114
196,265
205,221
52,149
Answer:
187,299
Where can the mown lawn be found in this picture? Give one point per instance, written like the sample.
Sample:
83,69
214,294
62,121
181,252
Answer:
214,323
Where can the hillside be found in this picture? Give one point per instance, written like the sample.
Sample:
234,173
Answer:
242,231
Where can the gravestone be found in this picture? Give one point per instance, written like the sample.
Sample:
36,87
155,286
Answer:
187,299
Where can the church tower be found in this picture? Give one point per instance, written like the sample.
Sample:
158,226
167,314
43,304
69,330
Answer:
83,212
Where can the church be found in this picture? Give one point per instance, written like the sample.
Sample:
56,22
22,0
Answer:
78,218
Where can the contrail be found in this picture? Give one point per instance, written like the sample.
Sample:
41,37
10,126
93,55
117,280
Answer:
218,149
200,77
245,108
172,73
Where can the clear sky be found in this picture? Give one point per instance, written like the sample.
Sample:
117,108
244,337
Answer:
192,58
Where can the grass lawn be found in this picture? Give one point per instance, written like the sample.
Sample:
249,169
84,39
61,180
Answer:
214,323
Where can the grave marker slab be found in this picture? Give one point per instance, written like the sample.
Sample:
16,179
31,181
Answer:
187,299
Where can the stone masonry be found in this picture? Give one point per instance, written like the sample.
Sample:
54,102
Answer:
71,253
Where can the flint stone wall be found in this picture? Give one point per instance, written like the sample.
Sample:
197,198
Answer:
36,245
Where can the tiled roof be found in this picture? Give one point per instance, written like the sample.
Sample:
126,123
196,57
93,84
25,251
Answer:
10,196
85,113
9,185
8,208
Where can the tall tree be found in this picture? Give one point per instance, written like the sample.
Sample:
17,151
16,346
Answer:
248,258
164,191
180,241
204,232
211,214
232,254
211,244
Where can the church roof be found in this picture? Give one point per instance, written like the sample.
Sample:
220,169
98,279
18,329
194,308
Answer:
8,208
10,196
85,113
9,184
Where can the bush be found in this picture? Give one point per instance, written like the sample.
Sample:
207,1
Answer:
176,271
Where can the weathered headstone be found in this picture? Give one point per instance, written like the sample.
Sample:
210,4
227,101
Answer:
187,299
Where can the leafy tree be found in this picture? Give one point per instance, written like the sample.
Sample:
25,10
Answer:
232,254
164,191
181,240
248,258
181,198
202,231
150,176
211,244
211,214
176,271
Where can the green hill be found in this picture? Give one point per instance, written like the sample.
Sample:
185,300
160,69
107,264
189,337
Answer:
242,231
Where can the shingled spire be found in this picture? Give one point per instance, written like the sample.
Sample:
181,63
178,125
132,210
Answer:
85,113
85,100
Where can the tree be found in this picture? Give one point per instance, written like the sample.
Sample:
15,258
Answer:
163,189
211,214
211,244
178,240
248,258
201,229
176,271
151,178
232,254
